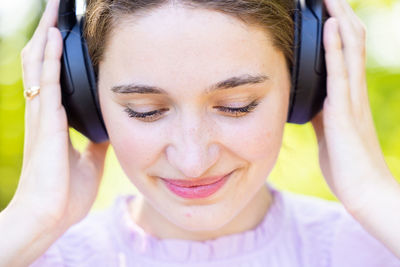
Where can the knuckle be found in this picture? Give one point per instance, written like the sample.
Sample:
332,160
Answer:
25,55
361,29
48,52
45,82
357,44
28,65
25,50
26,61
344,75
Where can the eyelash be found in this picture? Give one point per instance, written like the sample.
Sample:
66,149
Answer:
149,116
241,110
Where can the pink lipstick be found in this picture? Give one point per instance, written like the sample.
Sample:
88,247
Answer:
200,188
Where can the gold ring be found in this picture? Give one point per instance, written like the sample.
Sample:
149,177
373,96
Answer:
31,92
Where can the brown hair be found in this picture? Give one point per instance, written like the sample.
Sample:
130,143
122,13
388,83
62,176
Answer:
275,16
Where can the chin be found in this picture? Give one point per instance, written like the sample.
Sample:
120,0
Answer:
201,221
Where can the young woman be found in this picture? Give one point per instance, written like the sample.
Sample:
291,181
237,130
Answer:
195,94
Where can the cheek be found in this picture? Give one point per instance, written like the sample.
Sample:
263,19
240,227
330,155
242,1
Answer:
259,136
136,148
254,141
136,144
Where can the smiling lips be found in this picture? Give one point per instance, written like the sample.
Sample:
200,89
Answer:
196,189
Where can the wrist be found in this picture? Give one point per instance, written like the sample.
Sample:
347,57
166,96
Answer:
378,214
33,213
382,194
24,237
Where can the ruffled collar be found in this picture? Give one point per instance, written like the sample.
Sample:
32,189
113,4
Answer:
178,250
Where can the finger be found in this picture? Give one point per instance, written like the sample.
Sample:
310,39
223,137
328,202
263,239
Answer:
355,57
354,19
52,113
352,32
317,123
340,9
31,57
39,38
30,124
31,110
96,153
74,154
338,96
353,35
34,50
350,26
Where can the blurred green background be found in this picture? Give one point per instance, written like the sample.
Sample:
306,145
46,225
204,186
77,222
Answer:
297,169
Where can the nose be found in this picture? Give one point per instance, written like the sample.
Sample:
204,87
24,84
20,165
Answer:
192,150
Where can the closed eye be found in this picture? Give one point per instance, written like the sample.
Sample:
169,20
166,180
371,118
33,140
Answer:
156,114
145,116
240,111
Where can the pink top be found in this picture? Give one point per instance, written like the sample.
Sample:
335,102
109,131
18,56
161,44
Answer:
298,230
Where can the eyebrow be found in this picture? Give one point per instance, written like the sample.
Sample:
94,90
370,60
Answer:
226,84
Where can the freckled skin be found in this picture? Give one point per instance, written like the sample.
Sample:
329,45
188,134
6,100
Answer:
183,52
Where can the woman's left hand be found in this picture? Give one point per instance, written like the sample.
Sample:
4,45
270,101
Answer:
350,156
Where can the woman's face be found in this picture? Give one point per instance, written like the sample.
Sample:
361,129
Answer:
182,55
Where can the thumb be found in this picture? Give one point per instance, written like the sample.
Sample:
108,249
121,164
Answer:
96,153
318,125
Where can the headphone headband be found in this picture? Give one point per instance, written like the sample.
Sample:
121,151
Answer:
78,81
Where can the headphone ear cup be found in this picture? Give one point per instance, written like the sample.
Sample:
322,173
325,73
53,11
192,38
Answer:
79,87
308,89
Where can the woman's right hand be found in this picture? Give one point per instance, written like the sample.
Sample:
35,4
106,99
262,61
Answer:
58,185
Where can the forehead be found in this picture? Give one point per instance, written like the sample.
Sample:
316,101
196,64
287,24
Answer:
188,43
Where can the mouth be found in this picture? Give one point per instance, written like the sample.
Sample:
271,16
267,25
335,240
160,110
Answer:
201,188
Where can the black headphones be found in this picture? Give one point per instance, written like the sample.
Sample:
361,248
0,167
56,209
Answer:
78,79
